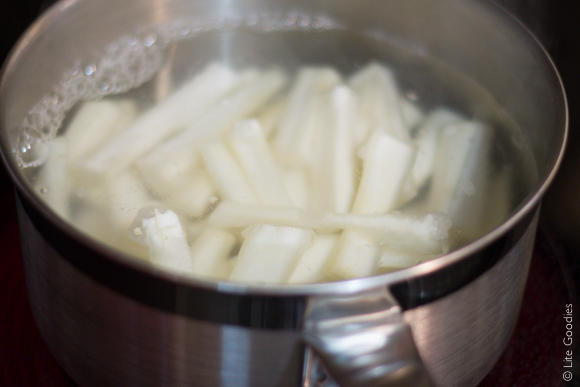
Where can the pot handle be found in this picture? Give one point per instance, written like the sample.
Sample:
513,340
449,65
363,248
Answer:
362,340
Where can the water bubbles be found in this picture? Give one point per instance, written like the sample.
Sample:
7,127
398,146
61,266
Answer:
290,19
277,25
219,24
209,24
128,63
252,20
104,85
149,40
50,100
184,30
319,22
235,21
90,69
44,190
196,26
169,33
304,21
32,150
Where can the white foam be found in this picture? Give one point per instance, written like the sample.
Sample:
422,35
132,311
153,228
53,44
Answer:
128,63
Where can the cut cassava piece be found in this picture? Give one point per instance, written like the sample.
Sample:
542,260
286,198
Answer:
226,173
96,123
386,165
210,253
169,116
249,145
411,112
379,103
333,169
269,253
53,180
125,196
298,124
271,114
422,233
356,256
311,264
427,138
461,174
194,195
297,185
179,154
390,260
163,235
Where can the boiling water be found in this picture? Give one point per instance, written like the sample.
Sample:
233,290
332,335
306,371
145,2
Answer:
148,66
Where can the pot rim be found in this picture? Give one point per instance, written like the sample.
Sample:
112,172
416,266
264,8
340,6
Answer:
340,287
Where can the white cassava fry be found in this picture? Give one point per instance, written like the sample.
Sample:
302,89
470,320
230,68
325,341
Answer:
379,103
53,180
269,253
126,195
356,256
293,139
210,251
226,173
194,195
412,114
249,145
386,164
169,116
166,179
95,124
271,115
311,264
194,229
333,169
501,198
297,185
396,260
423,233
427,140
461,174
391,260
176,156
163,235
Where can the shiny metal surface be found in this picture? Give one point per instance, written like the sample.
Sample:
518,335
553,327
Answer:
111,320
103,338
461,336
363,340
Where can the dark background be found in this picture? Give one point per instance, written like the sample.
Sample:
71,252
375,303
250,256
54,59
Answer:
555,22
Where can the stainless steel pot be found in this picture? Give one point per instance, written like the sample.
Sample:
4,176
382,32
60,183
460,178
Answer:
110,320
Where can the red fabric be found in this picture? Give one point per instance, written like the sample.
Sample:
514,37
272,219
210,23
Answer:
24,358
534,356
